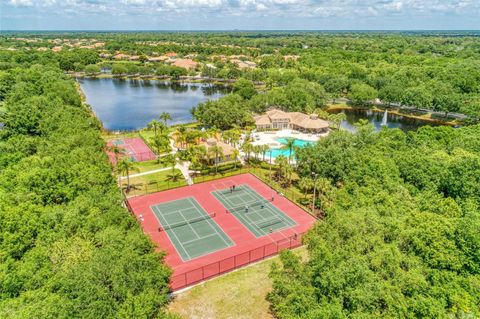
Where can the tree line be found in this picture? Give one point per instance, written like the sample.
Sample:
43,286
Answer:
400,238
68,247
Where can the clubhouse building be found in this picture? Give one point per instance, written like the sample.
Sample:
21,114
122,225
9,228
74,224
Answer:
276,119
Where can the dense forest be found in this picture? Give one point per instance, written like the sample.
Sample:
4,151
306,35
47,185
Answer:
401,235
437,71
67,247
400,238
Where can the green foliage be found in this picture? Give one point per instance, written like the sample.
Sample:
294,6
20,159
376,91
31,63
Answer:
400,239
68,248
361,94
244,88
224,113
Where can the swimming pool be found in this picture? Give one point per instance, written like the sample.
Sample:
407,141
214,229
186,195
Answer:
275,152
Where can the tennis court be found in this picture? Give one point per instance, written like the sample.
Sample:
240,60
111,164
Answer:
191,230
134,148
255,212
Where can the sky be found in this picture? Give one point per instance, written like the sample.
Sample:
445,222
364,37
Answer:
240,14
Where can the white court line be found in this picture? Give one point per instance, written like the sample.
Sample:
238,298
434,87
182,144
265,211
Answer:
189,225
154,208
288,221
208,221
197,239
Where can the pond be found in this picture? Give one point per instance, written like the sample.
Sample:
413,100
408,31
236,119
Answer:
131,104
378,120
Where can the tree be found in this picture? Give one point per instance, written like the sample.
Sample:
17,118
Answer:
264,149
165,116
247,148
305,184
117,151
217,153
244,88
161,143
361,94
235,154
119,69
153,124
125,167
289,145
92,69
174,176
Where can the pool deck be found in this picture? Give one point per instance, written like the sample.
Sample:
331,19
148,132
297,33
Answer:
270,138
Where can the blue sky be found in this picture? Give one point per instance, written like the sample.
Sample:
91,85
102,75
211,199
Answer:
238,14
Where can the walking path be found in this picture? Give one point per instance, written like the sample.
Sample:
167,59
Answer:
185,171
147,173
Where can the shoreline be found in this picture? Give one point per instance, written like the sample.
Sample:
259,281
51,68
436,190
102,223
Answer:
396,111
186,78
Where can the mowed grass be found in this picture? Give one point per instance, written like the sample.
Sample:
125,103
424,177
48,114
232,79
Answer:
240,294
152,183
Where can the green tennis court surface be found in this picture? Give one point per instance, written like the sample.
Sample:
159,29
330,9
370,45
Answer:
192,231
118,142
253,211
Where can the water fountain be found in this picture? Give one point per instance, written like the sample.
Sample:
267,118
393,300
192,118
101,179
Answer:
384,119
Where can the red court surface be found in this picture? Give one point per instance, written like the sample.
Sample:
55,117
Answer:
134,148
246,249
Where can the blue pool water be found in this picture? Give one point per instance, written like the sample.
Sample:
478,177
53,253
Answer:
274,152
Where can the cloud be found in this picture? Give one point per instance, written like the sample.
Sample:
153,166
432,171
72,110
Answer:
282,10
21,3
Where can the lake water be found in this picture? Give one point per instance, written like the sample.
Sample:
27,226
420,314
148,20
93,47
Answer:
393,121
131,104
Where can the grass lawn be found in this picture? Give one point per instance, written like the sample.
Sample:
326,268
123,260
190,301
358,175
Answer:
152,183
210,177
239,294
149,166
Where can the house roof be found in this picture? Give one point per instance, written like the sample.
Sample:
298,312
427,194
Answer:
296,118
262,120
308,121
185,63
277,114
227,148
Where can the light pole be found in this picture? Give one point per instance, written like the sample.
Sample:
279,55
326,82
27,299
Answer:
270,170
315,175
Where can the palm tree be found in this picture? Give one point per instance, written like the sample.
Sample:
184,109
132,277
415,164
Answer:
165,116
170,160
116,151
234,136
181,135
174,176
154,124
247,149
160,143
257,149
213,132
125,167
200,153
306,184
264,148
281,162
235,154
287,172
217,152
289,145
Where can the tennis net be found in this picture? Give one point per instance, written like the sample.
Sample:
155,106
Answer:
243,207
270,222
186,222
